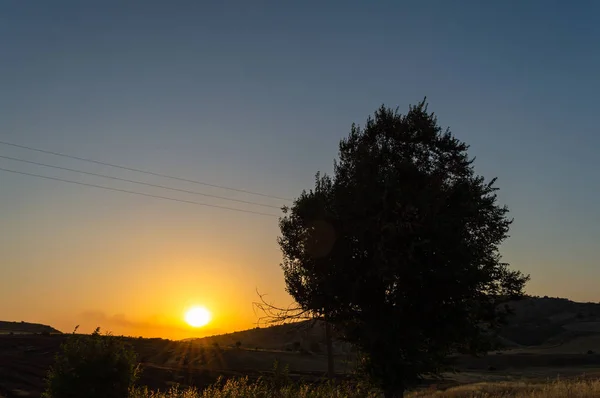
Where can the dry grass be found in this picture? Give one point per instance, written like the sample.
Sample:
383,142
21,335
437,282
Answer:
552,389
242,388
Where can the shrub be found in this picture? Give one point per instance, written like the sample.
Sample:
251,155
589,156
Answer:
238,344
92,366
279,376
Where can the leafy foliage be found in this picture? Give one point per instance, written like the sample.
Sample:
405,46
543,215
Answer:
92,366
399,250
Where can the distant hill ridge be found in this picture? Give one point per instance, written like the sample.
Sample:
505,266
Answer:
26,327
538,321
299,336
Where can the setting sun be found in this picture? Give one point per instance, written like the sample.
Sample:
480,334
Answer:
197,316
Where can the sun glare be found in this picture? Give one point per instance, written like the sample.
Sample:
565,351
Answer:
197,316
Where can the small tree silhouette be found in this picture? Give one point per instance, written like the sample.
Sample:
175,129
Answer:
92,366
238,344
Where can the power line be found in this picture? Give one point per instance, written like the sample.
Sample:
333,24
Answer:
141,171
139,182
137,193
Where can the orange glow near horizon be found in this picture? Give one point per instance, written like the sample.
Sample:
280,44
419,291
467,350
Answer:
145,267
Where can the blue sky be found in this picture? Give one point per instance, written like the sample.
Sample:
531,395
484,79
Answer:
256,95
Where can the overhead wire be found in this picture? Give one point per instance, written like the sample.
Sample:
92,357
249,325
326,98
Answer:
140,170
137,193
138,182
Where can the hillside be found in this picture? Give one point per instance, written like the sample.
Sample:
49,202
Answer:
298,336
26,328
546,321
537,322
546,337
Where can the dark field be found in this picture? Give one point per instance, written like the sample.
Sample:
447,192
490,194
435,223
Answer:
547,338
24,360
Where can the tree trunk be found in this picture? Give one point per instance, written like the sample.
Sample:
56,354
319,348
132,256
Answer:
329,343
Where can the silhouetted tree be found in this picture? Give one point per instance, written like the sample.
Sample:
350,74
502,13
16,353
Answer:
400,248
238,344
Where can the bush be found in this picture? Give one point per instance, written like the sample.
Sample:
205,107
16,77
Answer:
279,377
92,366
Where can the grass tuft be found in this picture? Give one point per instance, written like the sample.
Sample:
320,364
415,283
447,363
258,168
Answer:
581,388
243,388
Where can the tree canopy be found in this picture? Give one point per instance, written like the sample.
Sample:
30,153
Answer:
399,249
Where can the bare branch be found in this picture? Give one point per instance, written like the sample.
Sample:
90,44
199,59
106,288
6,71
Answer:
275,315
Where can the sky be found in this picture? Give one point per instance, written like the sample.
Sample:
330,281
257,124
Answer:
256,96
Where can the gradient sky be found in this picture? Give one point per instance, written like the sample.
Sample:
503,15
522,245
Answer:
256,96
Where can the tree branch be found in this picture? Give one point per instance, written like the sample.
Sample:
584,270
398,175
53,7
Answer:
275,315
